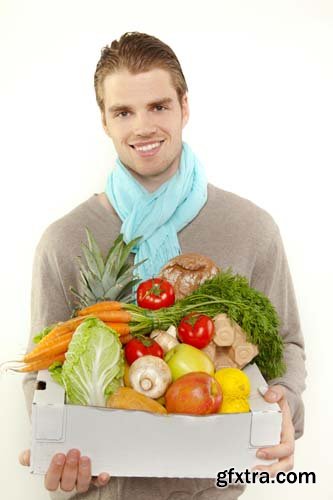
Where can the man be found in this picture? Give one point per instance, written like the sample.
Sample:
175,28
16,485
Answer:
142,95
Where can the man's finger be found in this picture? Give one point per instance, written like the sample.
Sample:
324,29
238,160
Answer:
284,465
70,472
53,475
279,451
24,457
102,479
275,394
84,475
288,430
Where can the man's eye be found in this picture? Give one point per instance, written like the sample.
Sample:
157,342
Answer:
160,107
122,114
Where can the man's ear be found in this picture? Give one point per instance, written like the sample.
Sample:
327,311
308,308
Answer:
185,110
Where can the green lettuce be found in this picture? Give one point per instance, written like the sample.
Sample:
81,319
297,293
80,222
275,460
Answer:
94,364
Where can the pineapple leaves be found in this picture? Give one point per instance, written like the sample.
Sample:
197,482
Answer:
125,253
93,255
126,266
127,290
111,252
109,279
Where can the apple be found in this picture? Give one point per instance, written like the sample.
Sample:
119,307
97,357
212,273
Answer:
196,393
184,358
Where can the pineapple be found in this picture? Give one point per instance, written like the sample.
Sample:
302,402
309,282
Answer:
111,279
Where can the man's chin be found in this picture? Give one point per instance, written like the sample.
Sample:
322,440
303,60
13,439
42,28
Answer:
149,172
151,181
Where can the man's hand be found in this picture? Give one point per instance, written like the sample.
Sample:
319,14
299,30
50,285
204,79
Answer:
68,471
284,451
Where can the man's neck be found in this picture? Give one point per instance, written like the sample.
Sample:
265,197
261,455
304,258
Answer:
152,183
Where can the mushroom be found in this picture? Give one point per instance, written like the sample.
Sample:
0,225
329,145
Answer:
166,339
150,375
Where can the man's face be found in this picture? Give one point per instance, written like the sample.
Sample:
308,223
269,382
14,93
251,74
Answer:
144,109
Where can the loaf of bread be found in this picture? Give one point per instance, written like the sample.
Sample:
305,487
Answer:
187,271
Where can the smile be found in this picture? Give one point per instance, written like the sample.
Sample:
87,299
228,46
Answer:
149,150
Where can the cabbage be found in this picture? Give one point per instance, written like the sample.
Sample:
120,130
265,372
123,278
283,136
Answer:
94,364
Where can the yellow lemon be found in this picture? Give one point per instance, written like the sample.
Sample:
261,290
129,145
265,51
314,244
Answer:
234,383
239,405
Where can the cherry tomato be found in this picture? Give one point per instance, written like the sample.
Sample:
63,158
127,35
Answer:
136,348
155,293
196,329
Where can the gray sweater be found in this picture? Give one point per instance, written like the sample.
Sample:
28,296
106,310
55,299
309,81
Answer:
230,230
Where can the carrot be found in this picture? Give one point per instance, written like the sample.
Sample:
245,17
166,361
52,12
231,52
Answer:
49,342
41,364
121,328
106,305
124,339
61,329
114,316
51,350
62,334
54,336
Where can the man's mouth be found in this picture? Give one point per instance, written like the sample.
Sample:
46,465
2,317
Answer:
148,149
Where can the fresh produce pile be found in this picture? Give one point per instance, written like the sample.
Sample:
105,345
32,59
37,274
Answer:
98,371
161,353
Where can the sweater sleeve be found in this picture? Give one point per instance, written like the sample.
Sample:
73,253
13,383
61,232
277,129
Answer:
272,276
49,300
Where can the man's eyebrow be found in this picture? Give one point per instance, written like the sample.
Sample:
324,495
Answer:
121,107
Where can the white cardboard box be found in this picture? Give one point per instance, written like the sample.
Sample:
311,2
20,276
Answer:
138,443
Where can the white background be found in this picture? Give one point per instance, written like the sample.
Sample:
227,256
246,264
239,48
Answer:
260,77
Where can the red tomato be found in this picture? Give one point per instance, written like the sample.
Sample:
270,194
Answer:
155,293
196,329
136,348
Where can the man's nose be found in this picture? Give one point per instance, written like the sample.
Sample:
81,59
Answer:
144,124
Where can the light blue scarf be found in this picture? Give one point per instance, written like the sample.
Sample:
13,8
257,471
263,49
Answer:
157,216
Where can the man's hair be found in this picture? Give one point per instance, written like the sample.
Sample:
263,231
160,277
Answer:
137,53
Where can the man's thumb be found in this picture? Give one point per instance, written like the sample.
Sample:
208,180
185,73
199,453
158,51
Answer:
24,457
